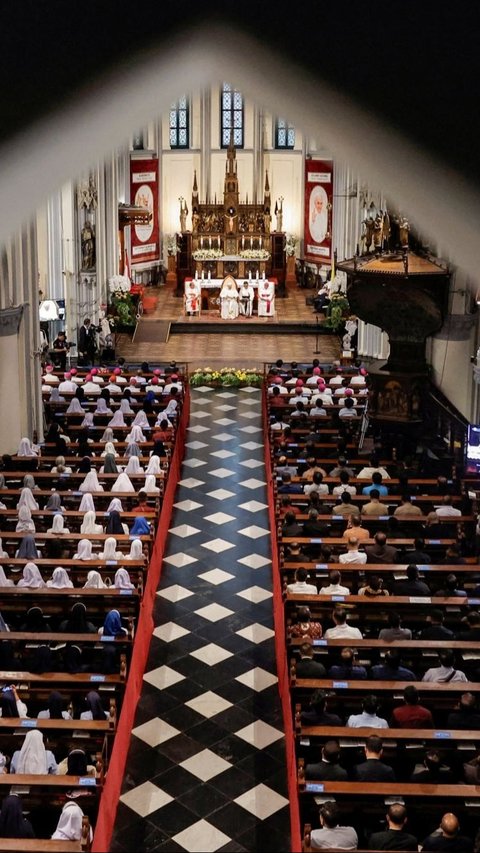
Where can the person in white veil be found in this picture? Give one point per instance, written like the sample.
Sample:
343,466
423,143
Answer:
58,525
118,420
109,466
27,499
25,448
31,577
33,758
115,505
123,483
102,408
25,521
86,504
88,526
150,486
153,466
70,823
84,550
136,434
132,449
170,410
4,581
136,550
110,550
90,483
161,417
122,578
133,466
54,396
125,406
75,407
94,581
88,420
60,579
141,420
108,436
109,448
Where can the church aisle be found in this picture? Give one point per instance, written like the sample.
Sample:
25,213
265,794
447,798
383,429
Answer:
206,767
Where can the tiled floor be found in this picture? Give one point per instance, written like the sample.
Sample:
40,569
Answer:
206,766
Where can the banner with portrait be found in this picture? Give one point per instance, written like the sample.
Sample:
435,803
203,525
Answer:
318,210
144,192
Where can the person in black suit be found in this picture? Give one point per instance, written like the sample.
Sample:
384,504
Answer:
307,667
328,769
87,343
373,769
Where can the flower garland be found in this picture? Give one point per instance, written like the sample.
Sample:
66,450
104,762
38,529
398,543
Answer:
227,376
207,254
254,254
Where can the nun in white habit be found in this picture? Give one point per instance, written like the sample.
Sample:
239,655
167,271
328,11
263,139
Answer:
25,521
136,434
25,448
133,466
58,525
31,577
102,408
123,483
90,483
94,581
4,581
108,436
150,486
125,406
75,407
109,449
84,550
141,420
86,504
69,826
118,420
88,420
27,499
136,550
110,550
33,757
122,578
115,505
88,526
60,579
153,466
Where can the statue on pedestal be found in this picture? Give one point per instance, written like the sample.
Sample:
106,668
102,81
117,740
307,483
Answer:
183,214
279,213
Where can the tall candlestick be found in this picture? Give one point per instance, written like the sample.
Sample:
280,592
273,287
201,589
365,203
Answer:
257,275
251,242
210,242
250,275
201,242
209,275
260,242
203,274
196,274
243,242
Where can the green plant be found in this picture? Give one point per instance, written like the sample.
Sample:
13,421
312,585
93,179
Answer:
338,310
124,309
226,377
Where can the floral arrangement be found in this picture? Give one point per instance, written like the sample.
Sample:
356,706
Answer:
338,310
290,245
255,254
119,284
207,254
227,376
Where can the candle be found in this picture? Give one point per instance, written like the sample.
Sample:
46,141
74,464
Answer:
209,275
251,242
243,242
201,242
210,242
203,275
257,275
260,242
196,274
250,274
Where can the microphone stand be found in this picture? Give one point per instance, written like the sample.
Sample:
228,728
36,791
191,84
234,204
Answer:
316,350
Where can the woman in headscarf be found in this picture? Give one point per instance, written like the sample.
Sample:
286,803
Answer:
102,408
105,395
109,466
29,482
136,434
60,467
4,581
54,396
112,626
75,408
60,579
117,420
25,448
133,467
125,406
11,705
54,503
136,551
94,580
27,549
31,577
122,578
88,421
150,485
140,527
77,622
114,524
140,420
58,525
85,465
123,483
115,505
25,521
35,622
86,504
110,449
70,822
75,764
55,708
90,483
108,436
88,526
80,394
84,551
153,466
27,499
93,708
33,757
83,447
132,449
12,822
110,550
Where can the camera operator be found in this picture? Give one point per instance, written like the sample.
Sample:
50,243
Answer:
87,343
59,351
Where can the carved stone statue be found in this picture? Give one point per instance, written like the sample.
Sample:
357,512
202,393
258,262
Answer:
195,220
183,214
88,246
378,231
403,229
279,213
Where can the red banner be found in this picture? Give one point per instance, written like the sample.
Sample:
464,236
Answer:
318,210
144,192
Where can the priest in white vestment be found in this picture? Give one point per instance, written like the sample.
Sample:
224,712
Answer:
229,300
245,299
192,296
266,298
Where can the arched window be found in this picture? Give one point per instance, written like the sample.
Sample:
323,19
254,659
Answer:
180,123
231,116
284,134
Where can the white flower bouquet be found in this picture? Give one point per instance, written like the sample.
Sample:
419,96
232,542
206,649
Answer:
207,254
119,284
255,254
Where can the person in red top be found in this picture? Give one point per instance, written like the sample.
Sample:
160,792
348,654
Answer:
163,432
142,507
411,715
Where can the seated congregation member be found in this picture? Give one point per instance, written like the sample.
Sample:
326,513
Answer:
446,672
93,708
55,709
354,528
10,703
291,527
300,586
304,626
447,837
368,471
412,585
33,757
472,627
316,484
112,626
348,668
352,554
368,717
373,587
114,525
374,506
433,772
450,588
345,485
395,836
411,715
373,769
77,622
381,552
76,764
69,826
334,587
332,835
307,666
377,483
341,629
391,669
348,409
436,629
466,715
328,769
12,822
345,507
316,715
407,509
418,556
